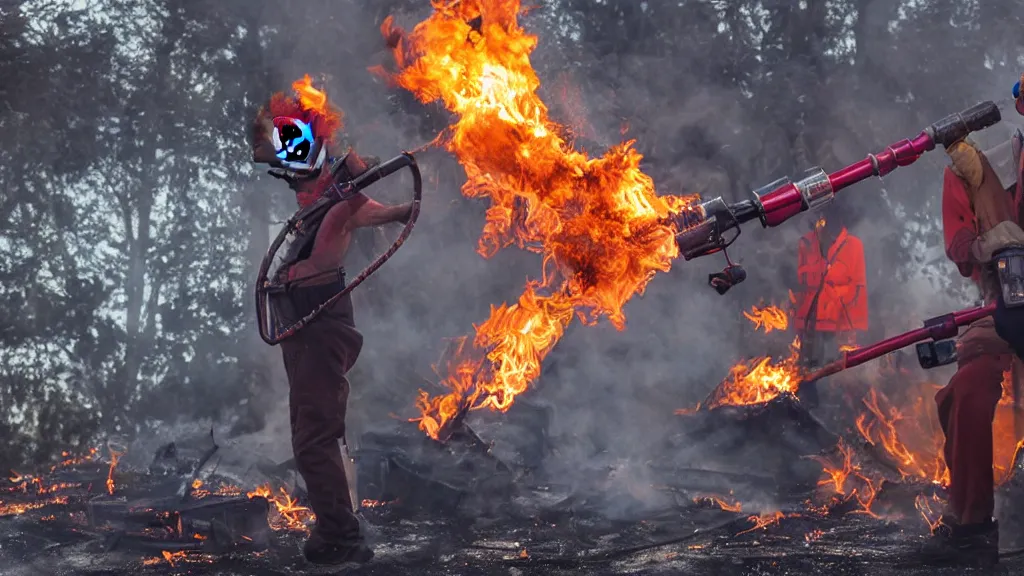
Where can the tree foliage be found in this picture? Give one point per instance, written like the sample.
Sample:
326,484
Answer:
131,222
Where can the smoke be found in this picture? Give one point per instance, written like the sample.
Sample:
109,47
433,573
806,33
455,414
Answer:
607,397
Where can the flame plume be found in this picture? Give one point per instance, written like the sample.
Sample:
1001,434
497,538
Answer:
601,229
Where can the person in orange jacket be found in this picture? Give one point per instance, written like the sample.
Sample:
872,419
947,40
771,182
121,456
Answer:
832,298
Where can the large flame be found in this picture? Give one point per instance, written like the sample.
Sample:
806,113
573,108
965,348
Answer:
602,230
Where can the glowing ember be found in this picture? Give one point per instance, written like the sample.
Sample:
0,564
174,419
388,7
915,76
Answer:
813,535
70,460
286,514
17,508
766,520
758,381
768,318
173,558
114,457
375,503
719,503
931,517
602,230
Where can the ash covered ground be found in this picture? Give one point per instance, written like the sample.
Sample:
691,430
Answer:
458,508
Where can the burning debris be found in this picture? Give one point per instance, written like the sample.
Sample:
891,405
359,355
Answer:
899,457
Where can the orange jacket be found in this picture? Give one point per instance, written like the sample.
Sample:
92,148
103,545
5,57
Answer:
842,304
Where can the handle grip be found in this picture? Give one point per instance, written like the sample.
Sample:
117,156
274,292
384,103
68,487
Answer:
383,170
955,127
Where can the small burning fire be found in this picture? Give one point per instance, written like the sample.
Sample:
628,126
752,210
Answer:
600,227
838,478
114,457
759,380
286,514
768,318
931,517
880,427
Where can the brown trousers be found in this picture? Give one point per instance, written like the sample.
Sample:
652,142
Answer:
967,408
316,360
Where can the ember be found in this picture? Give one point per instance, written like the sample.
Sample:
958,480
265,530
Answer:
765,520
374,503
601,228
719,503
14,508
114,456
173,558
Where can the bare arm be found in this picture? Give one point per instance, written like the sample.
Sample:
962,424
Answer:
335,233
373,213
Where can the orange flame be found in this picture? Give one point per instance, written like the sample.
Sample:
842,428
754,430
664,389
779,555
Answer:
286,514
169,557
768,318
837,477
759,380
114,457
310,98
881,427
931,517
17,508
602,230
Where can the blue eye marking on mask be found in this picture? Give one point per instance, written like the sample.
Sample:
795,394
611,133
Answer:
305,135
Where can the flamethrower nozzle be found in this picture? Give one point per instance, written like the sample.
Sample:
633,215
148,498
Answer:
956,127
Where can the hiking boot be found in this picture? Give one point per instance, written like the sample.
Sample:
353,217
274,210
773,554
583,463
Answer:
955,544
339,553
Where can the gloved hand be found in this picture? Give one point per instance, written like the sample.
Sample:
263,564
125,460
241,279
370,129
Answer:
1001,236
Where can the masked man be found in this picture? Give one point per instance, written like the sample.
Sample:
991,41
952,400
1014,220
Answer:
832,299
980,220
296,138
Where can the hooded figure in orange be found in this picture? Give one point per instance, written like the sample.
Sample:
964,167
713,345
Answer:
296,137
832,299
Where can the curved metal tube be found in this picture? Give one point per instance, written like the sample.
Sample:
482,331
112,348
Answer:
273,335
